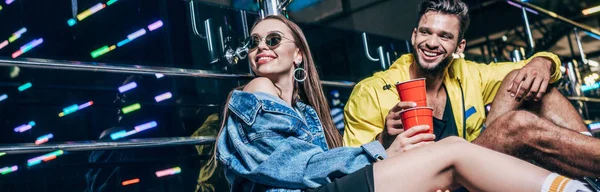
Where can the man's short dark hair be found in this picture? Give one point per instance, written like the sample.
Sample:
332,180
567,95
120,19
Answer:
450,7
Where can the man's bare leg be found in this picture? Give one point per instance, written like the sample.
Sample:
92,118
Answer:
525,135
551,139
553,106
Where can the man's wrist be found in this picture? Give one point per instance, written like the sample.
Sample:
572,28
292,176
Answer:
548,63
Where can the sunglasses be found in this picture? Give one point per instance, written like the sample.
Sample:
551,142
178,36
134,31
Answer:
273,40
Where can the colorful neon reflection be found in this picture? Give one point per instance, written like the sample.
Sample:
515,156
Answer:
45,158
137,34
27,47
74,108
171,171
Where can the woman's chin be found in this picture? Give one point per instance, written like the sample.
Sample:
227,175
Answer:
265,71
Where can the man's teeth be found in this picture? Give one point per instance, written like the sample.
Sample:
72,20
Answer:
430,54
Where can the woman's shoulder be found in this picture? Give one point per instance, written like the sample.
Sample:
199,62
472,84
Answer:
261,84
256,91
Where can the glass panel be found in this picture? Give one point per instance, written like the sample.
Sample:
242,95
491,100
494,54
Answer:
51,105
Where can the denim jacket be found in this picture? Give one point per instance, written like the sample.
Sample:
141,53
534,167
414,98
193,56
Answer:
266,145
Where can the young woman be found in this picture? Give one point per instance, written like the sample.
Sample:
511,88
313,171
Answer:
277,135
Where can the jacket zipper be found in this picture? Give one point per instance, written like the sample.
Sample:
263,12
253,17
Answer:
462,94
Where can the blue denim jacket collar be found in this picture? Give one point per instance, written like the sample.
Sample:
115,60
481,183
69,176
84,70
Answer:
265,101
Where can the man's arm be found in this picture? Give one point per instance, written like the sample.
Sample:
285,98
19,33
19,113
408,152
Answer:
531,82
493,74
362,116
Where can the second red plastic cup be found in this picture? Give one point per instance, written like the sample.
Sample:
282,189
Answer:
417,116
413,90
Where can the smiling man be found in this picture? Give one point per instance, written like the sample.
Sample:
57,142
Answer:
459,91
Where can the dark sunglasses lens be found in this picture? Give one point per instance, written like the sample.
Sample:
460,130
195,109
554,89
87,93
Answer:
253,42
273,39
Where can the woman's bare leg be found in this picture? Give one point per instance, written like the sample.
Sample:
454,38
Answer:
453,162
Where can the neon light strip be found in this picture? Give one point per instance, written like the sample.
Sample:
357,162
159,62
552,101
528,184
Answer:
131,132
70,109
136,34
31,45
28,47
588,33
163,97
8,2
159,75
111,2
52,157
40,141
591,10
74,108
44,138
20,31
13,38
3,44
17,53
519,6
90,103
3,97
127,87
100,51
131,181
7,170
32,163
585,88
2,154
24,127
145,126
46,157
155,25
122,134
118,135
25,86
90,11
103,50
171,171
131,108
121,43
47,136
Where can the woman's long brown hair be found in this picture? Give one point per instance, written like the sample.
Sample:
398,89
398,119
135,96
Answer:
310,91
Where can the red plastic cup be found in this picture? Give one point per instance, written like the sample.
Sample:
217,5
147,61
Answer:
417,116
413,90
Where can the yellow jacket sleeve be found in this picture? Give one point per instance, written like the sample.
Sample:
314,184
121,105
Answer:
493,74
362,117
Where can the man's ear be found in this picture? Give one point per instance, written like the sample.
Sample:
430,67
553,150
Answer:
414,37
461,46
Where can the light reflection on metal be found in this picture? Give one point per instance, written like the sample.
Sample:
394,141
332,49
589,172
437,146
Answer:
24,148
136,69
557,17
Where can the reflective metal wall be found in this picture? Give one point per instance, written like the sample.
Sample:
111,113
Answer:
118,95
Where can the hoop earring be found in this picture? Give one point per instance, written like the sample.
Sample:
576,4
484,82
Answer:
301,70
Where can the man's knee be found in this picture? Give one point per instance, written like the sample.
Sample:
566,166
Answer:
505,84
515,122
509,76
